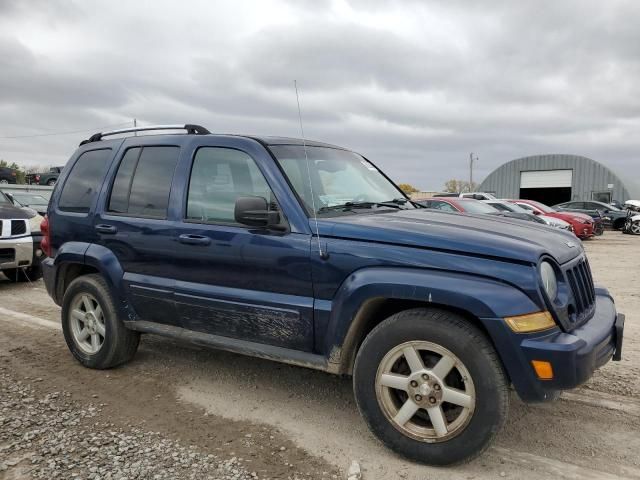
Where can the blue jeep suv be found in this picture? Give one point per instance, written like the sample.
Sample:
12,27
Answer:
306,253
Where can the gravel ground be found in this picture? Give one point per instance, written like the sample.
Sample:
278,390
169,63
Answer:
52,436
181,411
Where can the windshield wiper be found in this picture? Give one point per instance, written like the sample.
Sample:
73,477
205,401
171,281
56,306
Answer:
353,205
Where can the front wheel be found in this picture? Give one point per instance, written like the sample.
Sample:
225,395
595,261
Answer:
635,227
24,274
431,387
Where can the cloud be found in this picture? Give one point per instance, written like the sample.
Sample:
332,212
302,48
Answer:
413,85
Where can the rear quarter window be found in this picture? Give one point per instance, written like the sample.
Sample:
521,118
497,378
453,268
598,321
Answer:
84,181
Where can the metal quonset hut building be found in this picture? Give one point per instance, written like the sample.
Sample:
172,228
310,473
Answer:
558,178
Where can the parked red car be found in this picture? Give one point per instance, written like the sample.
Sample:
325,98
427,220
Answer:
582,224
455,204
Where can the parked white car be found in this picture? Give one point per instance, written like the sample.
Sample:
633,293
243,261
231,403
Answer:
632,223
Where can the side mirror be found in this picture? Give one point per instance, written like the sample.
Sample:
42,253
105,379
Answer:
254,211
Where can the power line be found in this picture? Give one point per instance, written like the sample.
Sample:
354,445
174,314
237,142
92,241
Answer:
95,129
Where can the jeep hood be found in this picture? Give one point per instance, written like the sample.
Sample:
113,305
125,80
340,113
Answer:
478,235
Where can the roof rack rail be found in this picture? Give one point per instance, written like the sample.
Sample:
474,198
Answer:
191,130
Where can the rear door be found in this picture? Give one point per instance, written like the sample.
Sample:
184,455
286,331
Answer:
232,280
134,224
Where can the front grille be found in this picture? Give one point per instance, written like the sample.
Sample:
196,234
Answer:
7,255
18,227
584,295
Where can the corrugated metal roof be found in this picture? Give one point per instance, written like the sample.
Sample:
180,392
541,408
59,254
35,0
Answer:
588,176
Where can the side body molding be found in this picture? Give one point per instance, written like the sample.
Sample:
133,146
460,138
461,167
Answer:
482,297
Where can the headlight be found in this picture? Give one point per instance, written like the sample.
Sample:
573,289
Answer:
608,219
34,223
549,280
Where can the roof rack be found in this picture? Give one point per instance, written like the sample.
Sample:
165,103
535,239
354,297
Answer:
191,130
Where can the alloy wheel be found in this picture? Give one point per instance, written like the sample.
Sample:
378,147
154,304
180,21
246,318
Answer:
425,391
87,323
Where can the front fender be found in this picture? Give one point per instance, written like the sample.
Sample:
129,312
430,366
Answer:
481,297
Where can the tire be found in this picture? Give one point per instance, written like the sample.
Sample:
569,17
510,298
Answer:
115,343
51,183
486,388
4,181
26,274
634,228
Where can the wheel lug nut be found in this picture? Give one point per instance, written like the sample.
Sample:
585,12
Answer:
414,384
432,399
425,376
436,387
418,398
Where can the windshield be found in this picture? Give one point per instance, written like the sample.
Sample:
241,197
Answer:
30,199
475,206
338,179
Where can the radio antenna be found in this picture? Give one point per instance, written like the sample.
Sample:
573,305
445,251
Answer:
306,157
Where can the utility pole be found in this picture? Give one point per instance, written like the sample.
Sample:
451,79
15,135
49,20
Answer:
471,159
135,124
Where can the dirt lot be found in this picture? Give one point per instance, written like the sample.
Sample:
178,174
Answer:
179,411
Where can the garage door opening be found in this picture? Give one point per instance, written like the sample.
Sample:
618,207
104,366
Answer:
546,186
548,196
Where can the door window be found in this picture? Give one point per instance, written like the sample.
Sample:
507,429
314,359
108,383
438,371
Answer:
84,181
604,197
143,182
218,177
576,205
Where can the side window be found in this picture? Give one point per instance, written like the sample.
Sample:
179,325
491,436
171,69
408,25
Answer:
84,181
143,182
218,177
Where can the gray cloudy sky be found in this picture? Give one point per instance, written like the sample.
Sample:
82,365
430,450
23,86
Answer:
413,85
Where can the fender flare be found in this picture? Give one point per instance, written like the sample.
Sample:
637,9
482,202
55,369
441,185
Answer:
481,297
105,262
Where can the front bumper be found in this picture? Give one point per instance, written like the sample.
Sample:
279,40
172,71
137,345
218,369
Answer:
16,252
583,230
574,356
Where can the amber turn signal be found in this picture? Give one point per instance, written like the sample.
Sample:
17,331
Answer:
532,322
543,369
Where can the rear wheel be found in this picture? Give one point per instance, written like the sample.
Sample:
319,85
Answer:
93,332
431,387
635,227
51,183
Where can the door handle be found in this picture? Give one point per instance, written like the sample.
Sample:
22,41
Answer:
190,239
106,229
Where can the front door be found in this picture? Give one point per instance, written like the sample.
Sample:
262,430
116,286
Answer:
232,280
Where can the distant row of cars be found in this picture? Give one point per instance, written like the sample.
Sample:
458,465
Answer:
584,219
10,175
